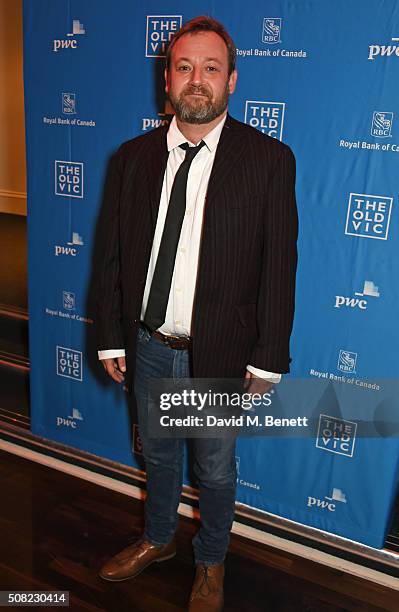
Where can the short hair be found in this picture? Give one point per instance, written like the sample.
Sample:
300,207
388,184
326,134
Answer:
205,24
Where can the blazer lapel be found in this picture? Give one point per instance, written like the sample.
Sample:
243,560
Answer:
230,149
157,157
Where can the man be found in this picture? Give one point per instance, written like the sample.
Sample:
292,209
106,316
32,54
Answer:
197,279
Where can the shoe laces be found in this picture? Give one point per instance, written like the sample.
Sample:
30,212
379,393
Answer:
205,587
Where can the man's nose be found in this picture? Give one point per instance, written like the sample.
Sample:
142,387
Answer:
196,77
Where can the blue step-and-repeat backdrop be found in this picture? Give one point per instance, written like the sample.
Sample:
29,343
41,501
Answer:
322,77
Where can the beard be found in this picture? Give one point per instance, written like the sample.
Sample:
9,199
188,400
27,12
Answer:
201,109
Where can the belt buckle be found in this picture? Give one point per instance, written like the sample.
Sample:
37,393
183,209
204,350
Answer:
167,339
170,339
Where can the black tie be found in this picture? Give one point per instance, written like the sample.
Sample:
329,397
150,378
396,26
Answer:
161,281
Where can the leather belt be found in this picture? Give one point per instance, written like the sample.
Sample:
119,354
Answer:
178,343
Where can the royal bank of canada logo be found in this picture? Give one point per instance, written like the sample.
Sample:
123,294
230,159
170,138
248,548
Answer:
270,43
268,117
68,312
336,435
70,42
70,248
68,300
385,51
368,216
68,103
347,362
160,29
69,114
71,421
381,128
69,363
69,179
271,30
381,125
328,502
360,298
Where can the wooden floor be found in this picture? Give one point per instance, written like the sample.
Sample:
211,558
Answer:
56,530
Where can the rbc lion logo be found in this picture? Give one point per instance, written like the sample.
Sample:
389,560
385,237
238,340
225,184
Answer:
382,124
347,361
271,33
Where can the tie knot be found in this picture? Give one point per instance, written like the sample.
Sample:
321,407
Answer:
191,152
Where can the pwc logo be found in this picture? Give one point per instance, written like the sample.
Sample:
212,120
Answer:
71,421
70,248
328,503
359,300
70,42
384,50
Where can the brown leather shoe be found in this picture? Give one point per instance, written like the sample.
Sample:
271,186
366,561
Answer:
207,592
134,559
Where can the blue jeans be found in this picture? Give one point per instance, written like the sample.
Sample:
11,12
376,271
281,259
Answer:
214,464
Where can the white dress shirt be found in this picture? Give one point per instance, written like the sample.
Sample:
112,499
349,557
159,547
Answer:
181,297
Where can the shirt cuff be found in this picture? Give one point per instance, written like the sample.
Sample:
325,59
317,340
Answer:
269,376
111,354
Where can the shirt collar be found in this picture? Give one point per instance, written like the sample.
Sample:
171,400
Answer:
175,138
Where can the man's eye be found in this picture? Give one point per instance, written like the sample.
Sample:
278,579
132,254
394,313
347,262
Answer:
211,68
183,68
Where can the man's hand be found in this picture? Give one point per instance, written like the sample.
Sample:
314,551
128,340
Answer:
255,384
115,367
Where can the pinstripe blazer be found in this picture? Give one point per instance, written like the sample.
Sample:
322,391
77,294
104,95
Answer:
244,299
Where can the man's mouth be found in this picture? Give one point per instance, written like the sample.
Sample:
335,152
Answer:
197,94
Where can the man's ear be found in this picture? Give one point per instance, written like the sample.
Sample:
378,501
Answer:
233,81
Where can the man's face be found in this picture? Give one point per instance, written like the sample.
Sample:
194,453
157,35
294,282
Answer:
197,81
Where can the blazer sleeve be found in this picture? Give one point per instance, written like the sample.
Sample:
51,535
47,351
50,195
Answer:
108,292
276,296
